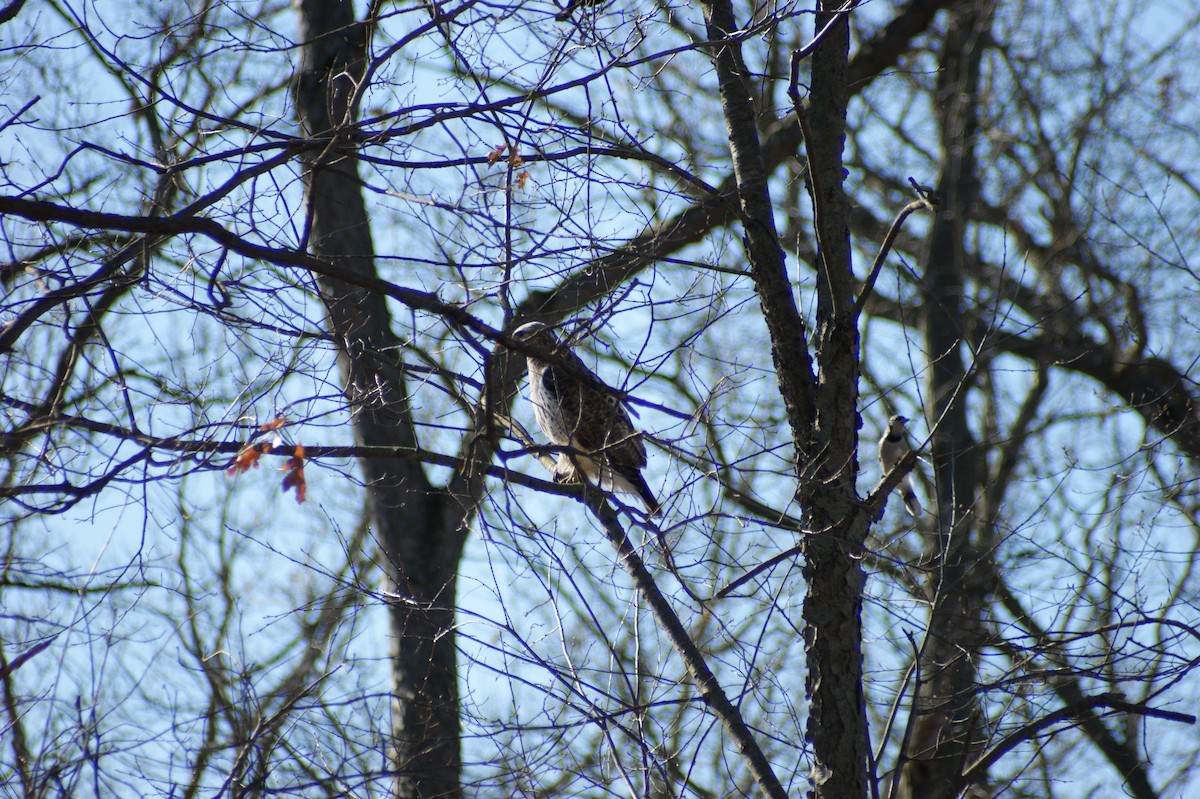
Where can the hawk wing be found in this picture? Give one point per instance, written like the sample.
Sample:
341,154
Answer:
595,419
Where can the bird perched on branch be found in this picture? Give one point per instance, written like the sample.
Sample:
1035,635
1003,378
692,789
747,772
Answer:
583,414
892,447
565,14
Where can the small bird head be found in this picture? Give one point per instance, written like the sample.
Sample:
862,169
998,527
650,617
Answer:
896,424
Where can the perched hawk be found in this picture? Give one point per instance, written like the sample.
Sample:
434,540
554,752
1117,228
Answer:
892,447
582,415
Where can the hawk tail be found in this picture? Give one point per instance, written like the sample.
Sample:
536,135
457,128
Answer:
630,481
643,491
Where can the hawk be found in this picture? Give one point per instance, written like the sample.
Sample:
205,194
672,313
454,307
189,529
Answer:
581,414
892,447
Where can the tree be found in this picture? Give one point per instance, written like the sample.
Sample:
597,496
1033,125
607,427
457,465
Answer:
300,237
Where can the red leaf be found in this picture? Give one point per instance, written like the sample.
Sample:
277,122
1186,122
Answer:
295,473
248,457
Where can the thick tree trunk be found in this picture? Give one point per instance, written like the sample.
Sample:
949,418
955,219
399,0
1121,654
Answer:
823,422
833,571
948,726
420,536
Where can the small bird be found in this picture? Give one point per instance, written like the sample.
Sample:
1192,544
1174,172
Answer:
580,414
892,447
565,14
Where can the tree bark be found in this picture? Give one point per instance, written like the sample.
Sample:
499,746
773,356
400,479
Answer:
947,729
833,572
789,339
420,531
823,422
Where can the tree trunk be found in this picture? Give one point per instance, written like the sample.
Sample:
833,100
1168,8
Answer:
420,534
947,729
833,571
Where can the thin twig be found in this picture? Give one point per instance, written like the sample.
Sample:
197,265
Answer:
888,240
979,769
911,723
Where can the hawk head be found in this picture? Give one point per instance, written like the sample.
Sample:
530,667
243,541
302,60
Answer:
528,330
536,333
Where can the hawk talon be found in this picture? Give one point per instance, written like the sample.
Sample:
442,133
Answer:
568,475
